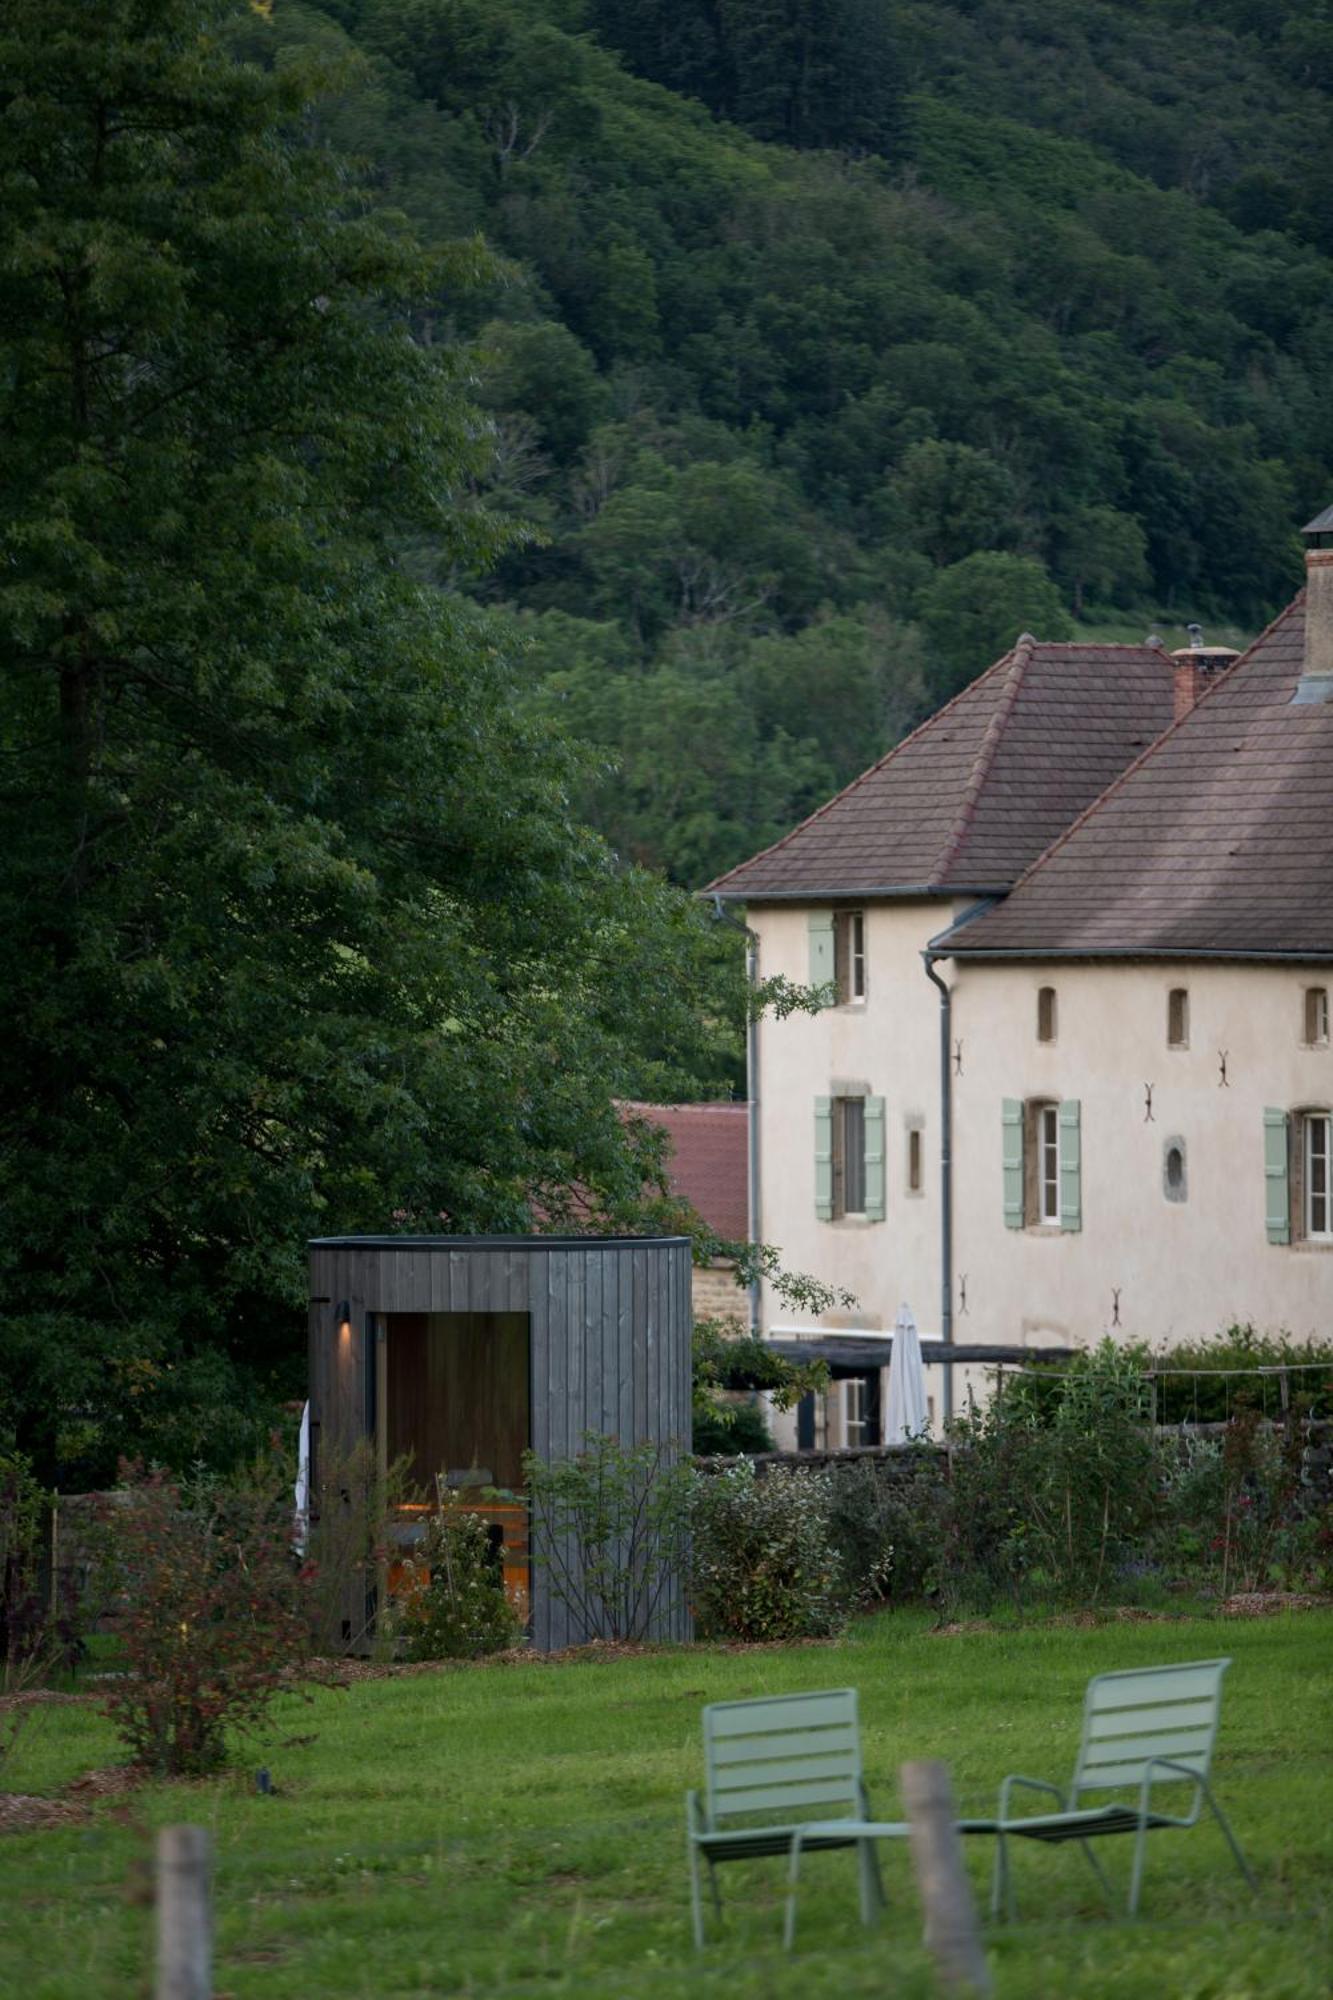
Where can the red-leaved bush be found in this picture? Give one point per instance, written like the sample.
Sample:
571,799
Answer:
214,1610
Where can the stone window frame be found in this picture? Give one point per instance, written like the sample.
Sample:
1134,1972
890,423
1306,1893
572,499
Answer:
850,958
1048,1015
1315,1017
1178,1017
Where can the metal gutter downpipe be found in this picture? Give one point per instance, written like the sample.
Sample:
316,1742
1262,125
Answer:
946,1171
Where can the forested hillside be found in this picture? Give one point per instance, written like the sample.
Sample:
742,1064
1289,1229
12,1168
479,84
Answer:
832,342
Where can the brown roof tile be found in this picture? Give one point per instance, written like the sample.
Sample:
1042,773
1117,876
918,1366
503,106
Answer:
1218,840
972,796
708,1160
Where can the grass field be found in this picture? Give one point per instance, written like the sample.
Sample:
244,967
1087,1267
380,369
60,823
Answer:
517,1829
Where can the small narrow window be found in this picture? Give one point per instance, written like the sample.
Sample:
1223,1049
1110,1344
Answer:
1316,1016
914,1160
1048,1162
1046,1014
1316,1162
1173,1170
1178,1018
850,956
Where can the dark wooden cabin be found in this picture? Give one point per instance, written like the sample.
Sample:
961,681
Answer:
459,1353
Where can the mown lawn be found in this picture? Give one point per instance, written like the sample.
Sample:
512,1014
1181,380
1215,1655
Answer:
518,1830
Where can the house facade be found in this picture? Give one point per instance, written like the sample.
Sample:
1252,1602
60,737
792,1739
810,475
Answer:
1074,1072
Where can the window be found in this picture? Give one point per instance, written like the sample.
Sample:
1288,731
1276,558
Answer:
849,1156
1178,1018
1316,1016
914,1160
1317,1189
1043,1164
1046,1014
1048,1163
849,956
854,1412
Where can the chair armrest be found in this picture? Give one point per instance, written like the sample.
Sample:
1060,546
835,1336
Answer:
1031,1785
696,1819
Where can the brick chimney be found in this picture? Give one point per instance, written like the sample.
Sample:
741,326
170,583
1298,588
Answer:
1197,667
1316,681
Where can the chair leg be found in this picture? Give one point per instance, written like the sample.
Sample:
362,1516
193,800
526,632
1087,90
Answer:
1001,1885
696,1900
713,1888
1136,1873
1231,1841
870,1887
1098,1871
793,1877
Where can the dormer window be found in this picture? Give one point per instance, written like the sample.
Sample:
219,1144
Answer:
1047,1014
849,956
1178,1018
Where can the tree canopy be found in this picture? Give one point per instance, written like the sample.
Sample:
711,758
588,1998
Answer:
302,933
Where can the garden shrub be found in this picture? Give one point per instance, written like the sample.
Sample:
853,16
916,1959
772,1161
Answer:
764,1564
1053,1485
39,1623
1237,1510
886,1522
214,1611
348,1544
611,1527
454,1605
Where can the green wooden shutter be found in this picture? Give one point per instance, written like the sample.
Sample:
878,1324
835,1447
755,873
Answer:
824,1158
823,971
1013,1163
874,1123
1071,1165
1277,1184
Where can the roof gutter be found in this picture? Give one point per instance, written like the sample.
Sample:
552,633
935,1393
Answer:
841,893
979,954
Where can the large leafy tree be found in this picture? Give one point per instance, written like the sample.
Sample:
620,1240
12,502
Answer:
300,933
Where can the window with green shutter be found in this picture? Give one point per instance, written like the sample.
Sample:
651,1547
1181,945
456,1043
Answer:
1012,1115
823,965
1277,1176
1071,1165
874,1158
824,1158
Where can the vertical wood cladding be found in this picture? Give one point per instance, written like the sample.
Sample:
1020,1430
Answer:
606,1322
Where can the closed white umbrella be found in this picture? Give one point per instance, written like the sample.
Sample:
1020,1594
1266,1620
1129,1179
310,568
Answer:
301,1493
906,1417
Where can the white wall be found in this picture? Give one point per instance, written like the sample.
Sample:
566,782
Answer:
890,1043
1182,1269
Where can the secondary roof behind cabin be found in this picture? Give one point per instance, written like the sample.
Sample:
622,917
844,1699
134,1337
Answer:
971,798
708,1161
1219,841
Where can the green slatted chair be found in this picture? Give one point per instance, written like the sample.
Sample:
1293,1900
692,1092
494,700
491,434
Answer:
769,1765
1150,1726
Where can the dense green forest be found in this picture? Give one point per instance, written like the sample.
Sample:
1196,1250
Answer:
833,342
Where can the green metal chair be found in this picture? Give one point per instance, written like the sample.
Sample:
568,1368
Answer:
1150,1726
770,1765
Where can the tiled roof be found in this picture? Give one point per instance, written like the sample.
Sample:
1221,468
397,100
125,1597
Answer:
974,795
1219,840
708,1160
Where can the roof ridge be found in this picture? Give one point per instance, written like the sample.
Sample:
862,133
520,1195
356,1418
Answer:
1019,660
1117,784
929,722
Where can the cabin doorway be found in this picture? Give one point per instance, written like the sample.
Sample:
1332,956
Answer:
454,1402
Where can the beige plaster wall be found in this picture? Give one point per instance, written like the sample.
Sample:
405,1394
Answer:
889,1043
1183,1269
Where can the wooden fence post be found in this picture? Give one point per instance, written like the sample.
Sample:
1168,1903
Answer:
952,1934
184,1915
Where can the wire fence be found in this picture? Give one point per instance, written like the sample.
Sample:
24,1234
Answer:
1274,1390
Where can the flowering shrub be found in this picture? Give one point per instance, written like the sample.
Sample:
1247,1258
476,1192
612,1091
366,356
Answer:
764,1565
455,1606
213,1611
